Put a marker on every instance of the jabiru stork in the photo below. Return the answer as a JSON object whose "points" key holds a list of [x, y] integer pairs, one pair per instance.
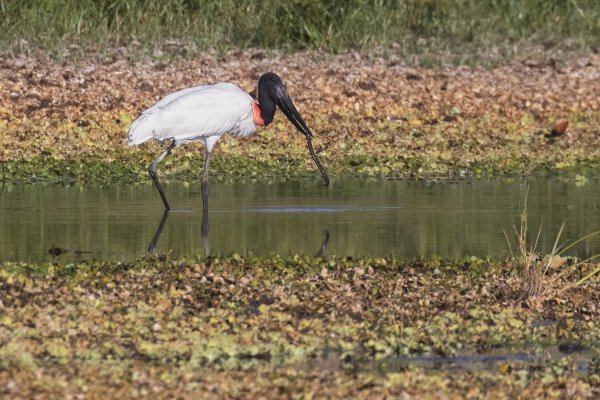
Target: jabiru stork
{"points": [[206, 113]]}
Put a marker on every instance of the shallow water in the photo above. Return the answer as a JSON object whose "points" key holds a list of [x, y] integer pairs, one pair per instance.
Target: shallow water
{"points": [[356, 218], [470, 360], [493, 360]]}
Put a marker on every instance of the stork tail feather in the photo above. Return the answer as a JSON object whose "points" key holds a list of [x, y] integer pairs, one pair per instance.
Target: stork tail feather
{"points": [[139, 132]]}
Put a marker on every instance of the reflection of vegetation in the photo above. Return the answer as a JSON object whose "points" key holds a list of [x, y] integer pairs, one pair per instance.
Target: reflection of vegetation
{"points": [[301, 24], [176, 325]]}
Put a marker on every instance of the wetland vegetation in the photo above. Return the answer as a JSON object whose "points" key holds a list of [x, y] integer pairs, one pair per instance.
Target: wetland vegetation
{"points": [[293, 327], [420, 90], [66, 122]]}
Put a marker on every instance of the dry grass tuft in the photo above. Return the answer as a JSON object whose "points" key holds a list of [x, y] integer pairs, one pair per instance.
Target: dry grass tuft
{"points": [[543, 275]]}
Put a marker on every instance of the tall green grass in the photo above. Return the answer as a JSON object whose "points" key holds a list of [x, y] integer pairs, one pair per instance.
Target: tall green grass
{"points": [[300, 24]]}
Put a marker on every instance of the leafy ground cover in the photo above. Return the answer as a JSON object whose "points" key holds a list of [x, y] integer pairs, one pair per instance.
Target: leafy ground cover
{"points": [[373, 116], [299, 327], [288, 328]]}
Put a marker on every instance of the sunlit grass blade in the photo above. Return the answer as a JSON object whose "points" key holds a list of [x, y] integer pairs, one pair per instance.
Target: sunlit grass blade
{"points": [[508, 243], [558, 235], [577, 242], [588, 276]]}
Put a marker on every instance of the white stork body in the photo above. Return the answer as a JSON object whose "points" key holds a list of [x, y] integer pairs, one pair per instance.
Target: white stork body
{"points": [[201, 113], [206, 113]]}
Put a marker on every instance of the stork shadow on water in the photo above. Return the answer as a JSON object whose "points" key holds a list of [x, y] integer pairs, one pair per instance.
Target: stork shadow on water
{"points": [[204, 228]]}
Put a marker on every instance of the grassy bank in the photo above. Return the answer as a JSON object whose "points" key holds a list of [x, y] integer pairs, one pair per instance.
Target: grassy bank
{"points": [[416, 25], [289, 327]]}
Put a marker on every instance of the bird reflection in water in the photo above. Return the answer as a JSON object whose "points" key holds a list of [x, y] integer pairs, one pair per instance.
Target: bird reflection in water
{"points": [[161, 225], [204, 234], [323, 247]]}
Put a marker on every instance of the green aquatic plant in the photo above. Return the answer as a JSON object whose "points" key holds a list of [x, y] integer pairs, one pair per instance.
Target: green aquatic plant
{"points": [[179, 325]]}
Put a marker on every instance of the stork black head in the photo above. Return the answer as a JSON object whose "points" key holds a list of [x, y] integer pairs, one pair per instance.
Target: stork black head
{"points": [[271, 93]]}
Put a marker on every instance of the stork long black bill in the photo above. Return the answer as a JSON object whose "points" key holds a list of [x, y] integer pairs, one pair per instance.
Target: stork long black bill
{"points": [[271, 92], [314, 157]]}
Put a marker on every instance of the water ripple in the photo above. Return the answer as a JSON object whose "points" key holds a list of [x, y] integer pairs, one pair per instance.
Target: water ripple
{"points": [[325, 209]]}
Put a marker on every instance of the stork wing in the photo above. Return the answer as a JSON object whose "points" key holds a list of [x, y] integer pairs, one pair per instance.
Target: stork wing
{"points": [[194, 114]]}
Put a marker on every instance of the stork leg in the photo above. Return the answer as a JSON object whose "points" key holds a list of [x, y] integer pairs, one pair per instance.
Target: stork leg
{"points": [[204, 185], [210, 143], [152, 173]]}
